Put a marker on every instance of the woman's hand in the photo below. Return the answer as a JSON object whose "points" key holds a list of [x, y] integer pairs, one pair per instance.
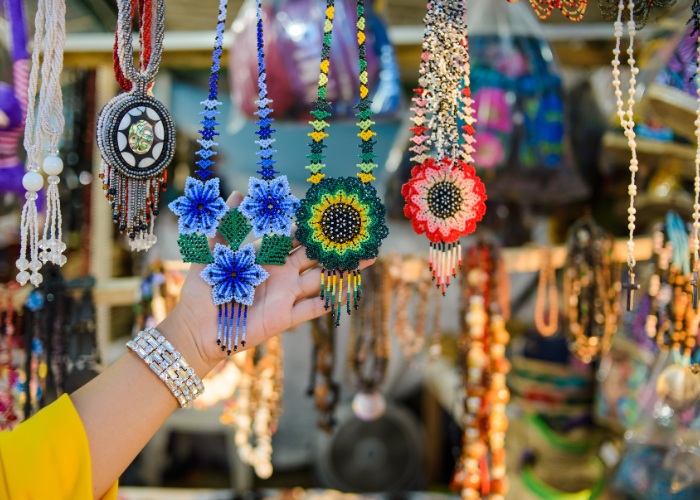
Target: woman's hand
{"points": [[289, 297]]}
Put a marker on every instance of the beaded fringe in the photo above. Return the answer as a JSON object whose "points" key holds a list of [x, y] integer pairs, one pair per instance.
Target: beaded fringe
{"points": [[226, 326], [134, 204], [332, 291], [444, 260]]}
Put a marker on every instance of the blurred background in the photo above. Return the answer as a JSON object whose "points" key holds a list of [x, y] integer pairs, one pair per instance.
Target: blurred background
{"points": [[550, 151]]}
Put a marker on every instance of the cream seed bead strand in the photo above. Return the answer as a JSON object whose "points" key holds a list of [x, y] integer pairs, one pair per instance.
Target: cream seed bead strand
{"points": [[49, 121], [627, 117], [696, 205]]}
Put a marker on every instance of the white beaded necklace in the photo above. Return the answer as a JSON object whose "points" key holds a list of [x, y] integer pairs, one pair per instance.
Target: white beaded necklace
{"points": [[696, 205], [49, 127], [628, 126]]}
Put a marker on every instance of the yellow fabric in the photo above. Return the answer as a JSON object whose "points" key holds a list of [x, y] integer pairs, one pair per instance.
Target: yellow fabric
{"points": [[48, 458]]}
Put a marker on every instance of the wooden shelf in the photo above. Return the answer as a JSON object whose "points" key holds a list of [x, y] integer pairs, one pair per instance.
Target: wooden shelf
{"points": [[123, 291]]}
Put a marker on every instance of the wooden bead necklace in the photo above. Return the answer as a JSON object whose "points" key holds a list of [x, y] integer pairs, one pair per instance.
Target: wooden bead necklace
{"points": [[483, 343], [591, 294], [369, 345], [326, 394], [672, 320], [257, 404], [547, 285]]}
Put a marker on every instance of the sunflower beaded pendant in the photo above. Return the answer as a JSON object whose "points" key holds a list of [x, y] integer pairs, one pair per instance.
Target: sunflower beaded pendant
{"points": [[444, 197], [341, 221]]}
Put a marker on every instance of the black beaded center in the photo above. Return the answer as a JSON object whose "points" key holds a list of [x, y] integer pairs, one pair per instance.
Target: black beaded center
{"points": [[341, 223], [234, 274], [200, 206], [444, 200]]}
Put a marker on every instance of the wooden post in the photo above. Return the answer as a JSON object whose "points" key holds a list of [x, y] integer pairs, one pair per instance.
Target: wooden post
{"points": [[101, 216]]}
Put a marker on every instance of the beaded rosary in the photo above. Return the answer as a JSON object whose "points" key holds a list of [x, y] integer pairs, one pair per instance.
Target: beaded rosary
{"points": [[483, 341], [234, 271], [444, 197], [135, 133], [639, 11], [341, 221], [50, 15], [628, 126], [572, 9]]}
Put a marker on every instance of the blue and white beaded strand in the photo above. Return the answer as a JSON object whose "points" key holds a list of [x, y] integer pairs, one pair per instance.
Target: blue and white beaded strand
{"points": [[269, 205], [210, 112]]}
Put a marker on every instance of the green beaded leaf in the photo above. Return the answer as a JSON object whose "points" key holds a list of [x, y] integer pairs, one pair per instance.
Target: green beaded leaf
{"points": [[234, 227], [195, 249], [274, 250]]}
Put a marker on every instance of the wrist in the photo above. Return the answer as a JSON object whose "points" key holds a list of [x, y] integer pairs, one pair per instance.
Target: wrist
{"points": [[184, 339]]}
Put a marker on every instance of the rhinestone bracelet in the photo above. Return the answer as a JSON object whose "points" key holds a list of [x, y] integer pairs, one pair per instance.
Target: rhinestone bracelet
{"points": [[169, 365]]}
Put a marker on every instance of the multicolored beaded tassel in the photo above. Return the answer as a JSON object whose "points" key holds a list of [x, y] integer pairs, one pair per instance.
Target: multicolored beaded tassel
{"points": [[341, 221], [444, 197]]}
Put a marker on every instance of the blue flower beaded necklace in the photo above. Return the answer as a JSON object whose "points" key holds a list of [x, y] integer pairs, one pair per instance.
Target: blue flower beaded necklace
{"points": [[233, 271]]}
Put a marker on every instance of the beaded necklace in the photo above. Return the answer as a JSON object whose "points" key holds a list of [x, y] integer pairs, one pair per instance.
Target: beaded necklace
{"points": [[672, 321], [257, 406], [572, 9], [627, 125], [326, 394], [369, 344], [695, 20], [547, 285], [50, 16], [482, 343], [591, 295], [8, 372], [234, 271], [639, 11], [444, 197], [341, 221], [135, 132]]}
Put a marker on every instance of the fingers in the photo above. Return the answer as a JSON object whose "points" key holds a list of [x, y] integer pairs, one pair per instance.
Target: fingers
{"points": [[300, 261], [310, 281], [308, 309]]}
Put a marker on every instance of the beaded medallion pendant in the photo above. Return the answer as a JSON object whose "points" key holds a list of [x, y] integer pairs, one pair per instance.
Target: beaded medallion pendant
{"points": [[136, 137], [341, 221], [233, 271], [572, 9], [444, 197]]}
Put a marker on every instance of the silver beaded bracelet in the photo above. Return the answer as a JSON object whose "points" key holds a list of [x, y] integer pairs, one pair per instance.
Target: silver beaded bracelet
{"points": [[169, 365]]}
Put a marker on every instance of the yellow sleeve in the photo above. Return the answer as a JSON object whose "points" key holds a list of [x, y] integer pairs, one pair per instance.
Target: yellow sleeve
{"points": [[47, 457]]}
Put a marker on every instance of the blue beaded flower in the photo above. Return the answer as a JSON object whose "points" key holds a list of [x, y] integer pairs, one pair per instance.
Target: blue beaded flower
{"points": [[269, 206], [201, 208], [234, 275]]}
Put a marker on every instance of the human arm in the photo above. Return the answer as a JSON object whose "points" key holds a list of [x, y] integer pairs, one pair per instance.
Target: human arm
{"points": [[123, 407]]}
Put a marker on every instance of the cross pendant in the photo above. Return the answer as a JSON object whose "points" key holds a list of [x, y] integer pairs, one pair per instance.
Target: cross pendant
{"points": [[695, 282], [631, 286]]}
